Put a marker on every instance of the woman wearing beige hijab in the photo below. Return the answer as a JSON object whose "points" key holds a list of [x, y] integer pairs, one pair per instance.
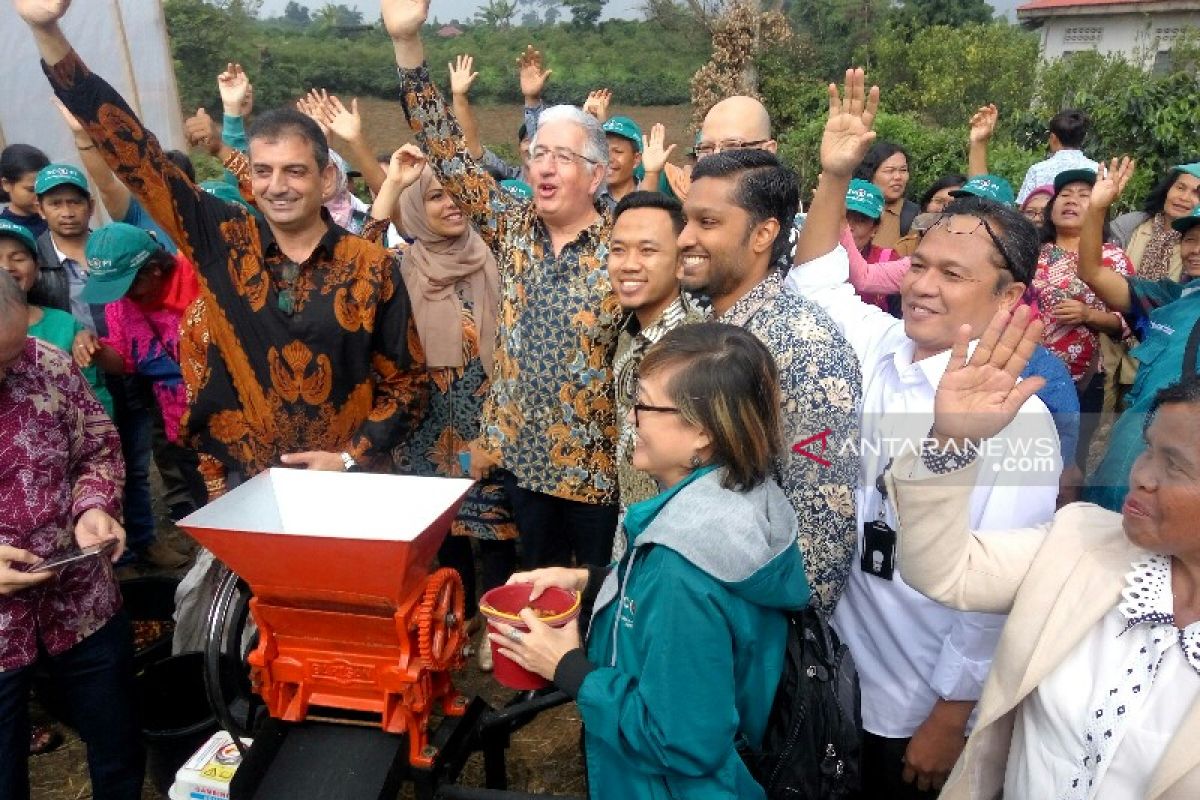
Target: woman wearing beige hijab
{"points": [[453, 285]]}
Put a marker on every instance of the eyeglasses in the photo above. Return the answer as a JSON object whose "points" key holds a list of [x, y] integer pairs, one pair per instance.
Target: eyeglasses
{"points": [[562, 156], [966, 227], [708, 148], [286, 299], [639, 408]]}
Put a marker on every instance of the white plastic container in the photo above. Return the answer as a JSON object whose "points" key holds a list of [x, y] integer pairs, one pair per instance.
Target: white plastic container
{"points": [[207, 774]]}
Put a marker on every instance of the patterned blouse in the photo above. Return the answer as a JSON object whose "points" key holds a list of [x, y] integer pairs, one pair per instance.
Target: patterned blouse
{"points": [[549, 413], [148, 343], [1056, 279], [59, 456], [282, 357], [821, 387]]}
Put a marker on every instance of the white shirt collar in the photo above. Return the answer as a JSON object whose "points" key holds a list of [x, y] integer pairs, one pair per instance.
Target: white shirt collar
{"points": [[1148, 599]]}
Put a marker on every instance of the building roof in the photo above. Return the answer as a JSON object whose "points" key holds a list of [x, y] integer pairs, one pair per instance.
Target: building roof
{"points": [[1049, 8]]}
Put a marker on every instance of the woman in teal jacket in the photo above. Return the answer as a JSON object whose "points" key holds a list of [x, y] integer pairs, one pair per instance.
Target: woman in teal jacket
{"points": [[685, 644]]}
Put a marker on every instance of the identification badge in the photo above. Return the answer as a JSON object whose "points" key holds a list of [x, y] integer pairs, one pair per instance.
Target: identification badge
{"points": [[879, 550]]}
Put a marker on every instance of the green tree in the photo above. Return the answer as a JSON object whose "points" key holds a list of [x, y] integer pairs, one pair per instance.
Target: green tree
{"points": [[497, 13], [585, 13], [296, 13], [913, 15], [836, 30], [942, 74]]}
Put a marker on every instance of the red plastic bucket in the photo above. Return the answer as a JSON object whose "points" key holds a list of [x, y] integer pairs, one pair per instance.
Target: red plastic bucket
{"points": [[502, 604]]}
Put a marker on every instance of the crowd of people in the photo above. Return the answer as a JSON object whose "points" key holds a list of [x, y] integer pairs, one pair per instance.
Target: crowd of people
{"points": [[676, 393]]}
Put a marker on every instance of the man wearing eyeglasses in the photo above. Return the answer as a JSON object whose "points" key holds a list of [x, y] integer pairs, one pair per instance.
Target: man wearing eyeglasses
{"points": [[921, 665], [549, 419], [306, 351]]}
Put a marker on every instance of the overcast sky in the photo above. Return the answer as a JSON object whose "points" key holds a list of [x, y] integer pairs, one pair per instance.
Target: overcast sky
{"points": [[446, 10]]}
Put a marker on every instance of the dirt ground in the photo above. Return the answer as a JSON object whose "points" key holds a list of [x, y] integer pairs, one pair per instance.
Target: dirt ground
{"points": [[386, 129]]}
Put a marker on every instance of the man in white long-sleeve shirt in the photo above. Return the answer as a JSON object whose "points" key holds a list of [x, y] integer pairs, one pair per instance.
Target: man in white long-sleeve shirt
{"points": [[922, 665]]}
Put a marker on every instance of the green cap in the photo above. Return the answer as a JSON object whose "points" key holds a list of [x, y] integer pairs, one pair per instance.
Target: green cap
{"points": [[52, 176], [626, 129], [20, 233], [227, 192], [114, 254], [989, 187], [866, 198], [1192, 169], [517, 188], [1185, 224], [1069, 176]]}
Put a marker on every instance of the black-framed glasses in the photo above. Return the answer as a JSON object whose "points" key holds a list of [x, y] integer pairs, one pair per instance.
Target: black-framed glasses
{"points": [[286, 296], [708, 148], [638, 408], [969, 225]]}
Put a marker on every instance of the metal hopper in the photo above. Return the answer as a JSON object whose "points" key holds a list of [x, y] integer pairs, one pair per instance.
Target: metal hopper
{"points": [[348, 614]]}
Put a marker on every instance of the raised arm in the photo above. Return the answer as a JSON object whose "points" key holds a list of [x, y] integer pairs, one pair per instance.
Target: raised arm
{"points": [[976, 399], [883, 277], [113, 194], [848, 136], [1109, 286], [237, 98], [462, 75], [654, 157], [403, 171], [187, 214], [438, 131], [597, 103], [346, 124], [983, 123]]}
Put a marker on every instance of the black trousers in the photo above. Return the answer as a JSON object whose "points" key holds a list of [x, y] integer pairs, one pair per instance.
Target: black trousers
{"points": [[556, 532], [883, 771], [95, 678]]}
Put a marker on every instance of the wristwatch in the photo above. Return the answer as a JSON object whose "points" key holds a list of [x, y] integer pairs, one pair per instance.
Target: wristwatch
{"points": [[349, 463]]}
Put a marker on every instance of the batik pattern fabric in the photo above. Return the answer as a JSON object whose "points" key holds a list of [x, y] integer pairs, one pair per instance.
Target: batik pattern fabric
{"points": [[451, 422], [320, 355], [549, 414], [59, 457], [820, 385], [1057, 279]]}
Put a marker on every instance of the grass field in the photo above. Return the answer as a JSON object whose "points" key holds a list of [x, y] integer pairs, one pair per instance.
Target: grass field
{"points": [[386, 130]]}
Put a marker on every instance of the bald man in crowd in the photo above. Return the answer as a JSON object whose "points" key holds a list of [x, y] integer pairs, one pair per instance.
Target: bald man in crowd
{"points": [[736, 123]]}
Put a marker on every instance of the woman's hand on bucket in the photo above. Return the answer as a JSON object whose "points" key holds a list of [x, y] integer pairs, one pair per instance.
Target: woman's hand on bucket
{"points": [[541, 647], [573, 580]]}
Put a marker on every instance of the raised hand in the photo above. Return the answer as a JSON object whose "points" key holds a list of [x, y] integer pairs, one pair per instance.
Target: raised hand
{"points": [[201, 132], [461, 76], [976, 399], [983, 123], [312, 105], [406, 165], [1111, 179], [533, 76], [848, 133], [654, 157], [346, 123], [247, 101], [402, 19], [41, 13], [234, 86], [597, 103]]}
